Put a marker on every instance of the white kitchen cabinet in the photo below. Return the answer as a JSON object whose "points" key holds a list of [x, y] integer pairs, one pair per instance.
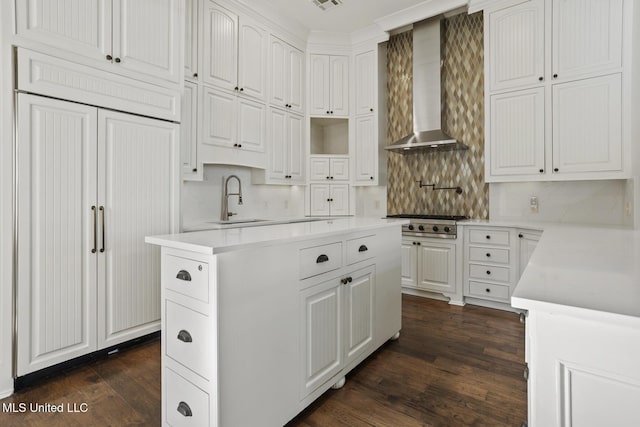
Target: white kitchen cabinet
{"points": [[138, 38], [587, 125], [285, 133], [286, 76], [517, 133], [409, 269], [234, 52], [233, 129], [527, 242], [191, 35], [366, 73], [328, 168], [329, 199], [91, 190], [366, 156], [329, 85], [338, 325], [189, 132], [516, 46]]}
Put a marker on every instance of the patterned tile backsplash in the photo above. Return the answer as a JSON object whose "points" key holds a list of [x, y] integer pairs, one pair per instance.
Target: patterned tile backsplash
{"points": [[462, 117]]}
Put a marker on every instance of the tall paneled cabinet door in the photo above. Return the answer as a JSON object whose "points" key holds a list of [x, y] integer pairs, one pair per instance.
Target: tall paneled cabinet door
{"points": [[286, 75], [136, 38], [517, 133], [189, 132], [285, 132], [515, 46], [366, 73], [191, 35], [329, 85], [366, 158], [91, 191]]}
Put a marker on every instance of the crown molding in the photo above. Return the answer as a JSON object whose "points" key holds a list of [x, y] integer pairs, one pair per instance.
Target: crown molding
{"points": [[419, 12]]}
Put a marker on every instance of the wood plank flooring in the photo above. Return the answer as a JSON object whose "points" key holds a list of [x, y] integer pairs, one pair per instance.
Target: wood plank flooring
{"points": [[452, 366]]}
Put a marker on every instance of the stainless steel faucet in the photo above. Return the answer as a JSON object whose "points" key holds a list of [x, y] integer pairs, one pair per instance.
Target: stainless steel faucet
{"points": [[225, 198]]}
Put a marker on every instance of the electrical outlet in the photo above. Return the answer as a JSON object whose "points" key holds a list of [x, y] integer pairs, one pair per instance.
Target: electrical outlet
{"points": [[628, 209], [376, 204], [286, 204], [533, 204]]}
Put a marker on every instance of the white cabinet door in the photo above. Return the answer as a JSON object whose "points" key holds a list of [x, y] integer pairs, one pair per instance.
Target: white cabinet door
{"points": [[252, 59], [517, 137], [252, 120], [220, 47], [339, 168], [145, 37], [358, 318], [437, 267], [322, 329], [516, 45], [366, 73], [57, 234], [219, 117], [278, 150], [587, 37], [278, 51], [320, 199], [366, 158], [188, 130], [587, 125], [319, 86], [409, 267], [295, 133], [138, 181], [339, 86], [82, 27], [319, 169], [191, 39], [527, 242], [339, 195], [295, 79]]}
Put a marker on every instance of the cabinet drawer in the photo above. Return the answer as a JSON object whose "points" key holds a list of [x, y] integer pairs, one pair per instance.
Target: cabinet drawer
{"points": [[320, 259], [183, 398], [189, 336], [186, 276], [489, 272], [360, 249], [489, 290], [500, 256], [491, 237]]}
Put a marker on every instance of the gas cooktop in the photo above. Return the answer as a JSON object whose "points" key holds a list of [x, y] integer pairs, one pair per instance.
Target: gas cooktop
{"points": [[421, 216]]}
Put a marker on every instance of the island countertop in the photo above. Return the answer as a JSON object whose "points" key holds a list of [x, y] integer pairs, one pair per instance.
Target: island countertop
{"points": [[586, 271], [218, 241]]}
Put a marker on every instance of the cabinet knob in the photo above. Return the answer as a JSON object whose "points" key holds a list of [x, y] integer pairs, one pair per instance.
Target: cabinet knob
{"points": [[541, 170], [418, 243], [332, 112], [520, 235], [488, 272], [241, 89], [555, 169], [184, 275], [236, 88], [541, 78], [194, 170], [109, 57], [117, 60], [184, 409], [371, 109], [488, 237], [328, 112], [370, 177], [195, 74], [488, 255], [555, 76], [184, 336], [322, 258], [488, 290]]}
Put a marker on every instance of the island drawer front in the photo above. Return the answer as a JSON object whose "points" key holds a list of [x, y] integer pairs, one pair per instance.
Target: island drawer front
{"points": [[491, 237], [489, 290], [186, 276], [360, 249], [320, 259], [183, 398], [189, 337], [500, 256], [489, 272]]}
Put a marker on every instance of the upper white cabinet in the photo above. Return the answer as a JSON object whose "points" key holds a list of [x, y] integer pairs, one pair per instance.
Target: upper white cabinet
{"points": [[328, 168], [286, 75], [139, 38], [189, 131], [329, 85], [234, 52], [366, 73], [366, 156], [191, 27], [554, 93]]}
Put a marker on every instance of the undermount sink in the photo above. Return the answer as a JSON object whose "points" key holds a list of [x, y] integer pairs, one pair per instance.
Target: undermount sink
{"points": [[236, 221]]}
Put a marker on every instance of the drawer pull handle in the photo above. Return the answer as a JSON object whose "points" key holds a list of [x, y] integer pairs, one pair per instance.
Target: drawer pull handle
{"points": [[184, 409], [184, 275], [363, 248], [488, 255], [322, 258], [184, 336]]}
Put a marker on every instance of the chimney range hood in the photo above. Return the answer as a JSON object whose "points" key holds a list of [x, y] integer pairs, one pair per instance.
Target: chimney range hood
{"points": [[427, 130]]}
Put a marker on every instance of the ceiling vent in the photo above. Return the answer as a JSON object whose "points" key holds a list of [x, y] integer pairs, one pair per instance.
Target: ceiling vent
{"points": [[327, 4]]}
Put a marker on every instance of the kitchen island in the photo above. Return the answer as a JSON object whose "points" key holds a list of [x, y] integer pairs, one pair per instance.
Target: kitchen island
{"points": [[581, 290], [258, 322]]}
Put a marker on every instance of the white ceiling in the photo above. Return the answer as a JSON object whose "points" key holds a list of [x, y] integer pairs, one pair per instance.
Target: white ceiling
{"points": [[352, 15]]}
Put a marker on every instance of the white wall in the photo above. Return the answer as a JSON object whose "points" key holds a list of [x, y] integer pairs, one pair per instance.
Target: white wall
{"points": [[6, 203], [202, 200], [371, 201], [584, 202]]}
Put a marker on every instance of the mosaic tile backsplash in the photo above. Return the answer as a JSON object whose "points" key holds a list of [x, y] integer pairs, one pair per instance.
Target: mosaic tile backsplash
{"points": [[462, 117]]}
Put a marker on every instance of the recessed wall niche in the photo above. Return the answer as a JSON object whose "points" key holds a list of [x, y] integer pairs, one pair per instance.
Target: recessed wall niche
{"points": [[329, 136]]}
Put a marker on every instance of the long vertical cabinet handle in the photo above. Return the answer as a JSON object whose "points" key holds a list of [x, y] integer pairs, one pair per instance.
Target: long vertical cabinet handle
{"points": [[95, 230], [102, 214]]}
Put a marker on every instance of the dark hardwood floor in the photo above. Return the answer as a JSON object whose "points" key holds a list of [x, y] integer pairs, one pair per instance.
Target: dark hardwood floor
{"points": [[452, 366]]}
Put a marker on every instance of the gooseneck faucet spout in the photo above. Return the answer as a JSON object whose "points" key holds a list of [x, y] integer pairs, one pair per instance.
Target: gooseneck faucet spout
{"points": [[225, 199]]}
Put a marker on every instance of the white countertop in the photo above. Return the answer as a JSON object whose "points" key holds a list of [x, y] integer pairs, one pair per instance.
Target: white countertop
{"points": [[218, 241], [244, 222], [581, 270]]}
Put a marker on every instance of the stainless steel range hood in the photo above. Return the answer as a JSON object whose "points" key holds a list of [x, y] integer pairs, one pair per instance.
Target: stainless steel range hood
{"points": [[427, 131]]}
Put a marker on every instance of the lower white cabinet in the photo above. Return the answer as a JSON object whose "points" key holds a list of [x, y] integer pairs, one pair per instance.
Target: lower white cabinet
{"points": [[337, 325], [527, 242], [366, 157], [189, 132], [329, 199], [91, 184]]}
